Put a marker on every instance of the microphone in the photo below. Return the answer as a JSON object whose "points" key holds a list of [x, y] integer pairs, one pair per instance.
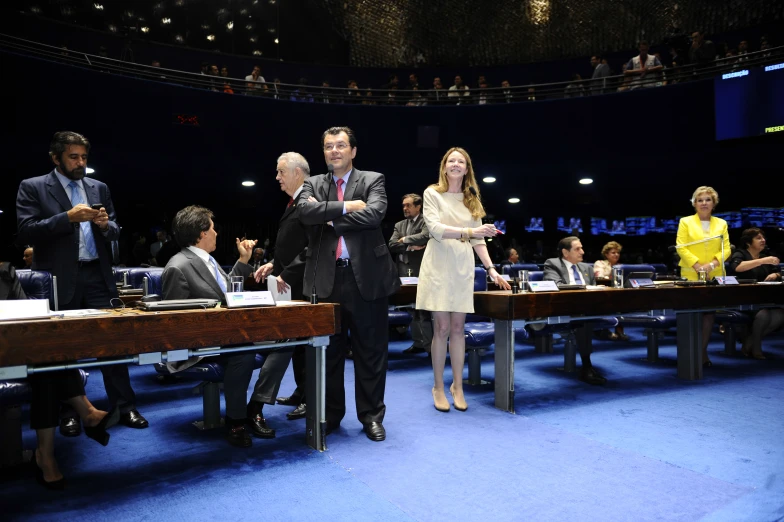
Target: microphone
{"points": [[313, 292], [705, 240]]}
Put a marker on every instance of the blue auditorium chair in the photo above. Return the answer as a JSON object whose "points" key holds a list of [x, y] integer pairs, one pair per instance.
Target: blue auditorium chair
{"points": [[39, 284], [118, 272], [511, 270], [154, 276]]}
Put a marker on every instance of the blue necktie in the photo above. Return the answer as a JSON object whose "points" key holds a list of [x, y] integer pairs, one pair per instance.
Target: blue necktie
{"points": [[577, 279], [87, 231], [218, 275]]}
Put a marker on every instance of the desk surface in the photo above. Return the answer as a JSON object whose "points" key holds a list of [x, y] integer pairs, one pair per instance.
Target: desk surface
{"points": [[130, 332]]}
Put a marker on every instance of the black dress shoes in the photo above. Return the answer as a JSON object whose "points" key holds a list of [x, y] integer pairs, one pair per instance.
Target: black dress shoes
{"points": [[414, 349], [238, 436], [298, 413], [291, 400], [70, 427], [591, 376], [258, 426], [134, 419], [375, 431]]}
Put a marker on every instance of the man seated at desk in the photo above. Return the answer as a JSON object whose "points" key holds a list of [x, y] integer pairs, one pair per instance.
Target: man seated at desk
{"points": [[194, 273], [570, 269]]}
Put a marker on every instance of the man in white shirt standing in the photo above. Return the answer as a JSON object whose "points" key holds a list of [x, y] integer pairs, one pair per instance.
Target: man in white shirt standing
{"points": [[646, 67], [255, 82]]}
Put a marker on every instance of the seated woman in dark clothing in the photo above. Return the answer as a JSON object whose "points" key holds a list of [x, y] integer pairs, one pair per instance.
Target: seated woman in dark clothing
{"points": [[747, 262], [48, 390]]}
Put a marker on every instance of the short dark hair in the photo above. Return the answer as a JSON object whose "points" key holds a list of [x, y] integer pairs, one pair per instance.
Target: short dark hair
{"points": [[643, 42], [566, 244], [748, 236], [508, 252], [416, 197], [189, 223], [61, 141], [334, 131]]}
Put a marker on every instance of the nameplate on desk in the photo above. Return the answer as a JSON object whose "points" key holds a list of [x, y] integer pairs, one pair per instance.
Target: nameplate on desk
{"points": [[409, 280], [728, 280], [641, 283], [20, 309], [240, 299], [543, 286]]}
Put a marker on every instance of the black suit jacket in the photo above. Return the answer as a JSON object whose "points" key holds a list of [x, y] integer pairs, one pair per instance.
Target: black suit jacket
{"points": [[371, 262], [290, 249], [555, 270], [41, 212], [417, 236]]}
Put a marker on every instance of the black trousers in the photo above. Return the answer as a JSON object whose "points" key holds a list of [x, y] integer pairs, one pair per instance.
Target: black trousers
{"points": [[91, 292], [48, 391], [367, 321], [298, 365], [422, 329]]}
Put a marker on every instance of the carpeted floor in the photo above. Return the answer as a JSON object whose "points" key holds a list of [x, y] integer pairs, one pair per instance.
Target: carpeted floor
{"points": [[645, 447]]}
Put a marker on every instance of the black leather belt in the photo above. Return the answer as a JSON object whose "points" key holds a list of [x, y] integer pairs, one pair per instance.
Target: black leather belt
{"points": [[88, 263], [342, 263]]}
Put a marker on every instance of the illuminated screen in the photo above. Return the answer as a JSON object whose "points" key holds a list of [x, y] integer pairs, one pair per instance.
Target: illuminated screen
{"points": [[570, 225], [733, 219], [760, 216], [748, 102], [500, 225], [535, 225], [617, 227], [598, 226]]}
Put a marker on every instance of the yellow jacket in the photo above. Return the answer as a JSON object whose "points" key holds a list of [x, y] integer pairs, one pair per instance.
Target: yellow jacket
{"points": [[689, 230]]}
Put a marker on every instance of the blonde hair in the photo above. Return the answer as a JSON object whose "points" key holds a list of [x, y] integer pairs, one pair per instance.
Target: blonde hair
{"points": [[473, 203], [705, 190], [610, 246]]}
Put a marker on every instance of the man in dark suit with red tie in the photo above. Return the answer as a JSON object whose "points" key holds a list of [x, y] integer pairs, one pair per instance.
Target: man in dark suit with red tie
{"points": [[355, 269], [288, 265], [72, 241]]}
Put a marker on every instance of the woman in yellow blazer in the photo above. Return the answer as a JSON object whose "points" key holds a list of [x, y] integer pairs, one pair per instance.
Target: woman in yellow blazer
{"points": [[705, 256]]}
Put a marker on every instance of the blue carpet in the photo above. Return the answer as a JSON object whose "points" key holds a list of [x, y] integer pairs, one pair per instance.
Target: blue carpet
{"points": [[645, 447]]}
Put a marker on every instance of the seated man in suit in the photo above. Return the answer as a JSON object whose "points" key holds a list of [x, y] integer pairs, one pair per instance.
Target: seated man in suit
{"points": [[570, 269], [194, 273], [407, 245], [511, 257]]}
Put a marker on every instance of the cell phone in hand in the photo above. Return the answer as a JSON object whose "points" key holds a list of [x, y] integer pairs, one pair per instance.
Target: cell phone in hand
{"points": [[96, 206]]}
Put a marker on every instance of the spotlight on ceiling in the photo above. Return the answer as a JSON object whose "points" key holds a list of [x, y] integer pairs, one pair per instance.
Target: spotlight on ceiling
{"points": [[488, 179], [253, 39], [145, 29], [514, 200], [586, 181], [179, 3], [211, 37], [230, 26], [112, 28], [178, 38], [277, 41], [248, 183], [256, 52], [165, 21], [89, 170], [35, 9], [205, 26], [98, 7]]}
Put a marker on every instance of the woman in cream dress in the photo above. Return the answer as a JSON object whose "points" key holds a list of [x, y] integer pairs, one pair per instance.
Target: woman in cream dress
{"points": [[453, 215]]}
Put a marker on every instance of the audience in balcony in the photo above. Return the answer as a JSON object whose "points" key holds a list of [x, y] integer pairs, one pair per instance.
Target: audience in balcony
{"points": [[600, 71], [438, 93], [645, 68], [301, 93], [459, 92], [484, 97], [531, 94], [224, 72], [702, 51], [255, 82], [416, 98], [413, 81], [575, 89]]}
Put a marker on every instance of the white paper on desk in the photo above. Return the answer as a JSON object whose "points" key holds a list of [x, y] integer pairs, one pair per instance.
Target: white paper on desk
{"points": [[87, 312], [272, 286], [595, 287]]}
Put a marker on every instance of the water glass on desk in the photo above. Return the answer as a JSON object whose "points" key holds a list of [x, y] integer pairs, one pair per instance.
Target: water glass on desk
{"points": [[237, 284], [617, 277], [523, 280], [702, 275]]}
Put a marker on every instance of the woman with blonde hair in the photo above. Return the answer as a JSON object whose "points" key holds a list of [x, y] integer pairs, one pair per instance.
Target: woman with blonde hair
{"points": [[706, 254], [453, 213], [602, 269]]}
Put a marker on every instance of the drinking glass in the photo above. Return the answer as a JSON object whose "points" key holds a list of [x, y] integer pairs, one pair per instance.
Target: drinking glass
{"points": [[523, 276], [237, 284], [617, 277], [702, 275]]}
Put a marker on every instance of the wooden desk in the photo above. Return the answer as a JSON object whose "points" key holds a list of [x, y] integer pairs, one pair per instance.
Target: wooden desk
{"points": [[689, 304], [132, 336]]}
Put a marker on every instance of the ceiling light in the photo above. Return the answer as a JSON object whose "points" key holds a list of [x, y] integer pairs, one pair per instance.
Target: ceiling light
{"points": [[145, 29], [277, 41], [586, 181], [243, 12], [256, 52], [179, 3], [178, 38], [211, 37], [205, 26], [35, 9], [98, 7], [514, 200], [248, 183], [112, 28], [89, 170], [166, 21], [249, 27], [252, 39], [230, 26], [488, 179]]}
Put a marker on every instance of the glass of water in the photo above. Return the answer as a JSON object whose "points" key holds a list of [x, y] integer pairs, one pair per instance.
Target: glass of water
{"points": [[617, 277], [523, 277], [237, 284], [702, 275]]}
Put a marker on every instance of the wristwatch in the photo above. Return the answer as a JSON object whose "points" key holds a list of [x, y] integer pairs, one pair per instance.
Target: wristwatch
{"points": [[487, 268]]}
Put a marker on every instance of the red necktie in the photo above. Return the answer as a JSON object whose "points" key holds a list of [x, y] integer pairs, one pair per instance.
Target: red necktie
{"points": [[339, 249], [291, 202]]}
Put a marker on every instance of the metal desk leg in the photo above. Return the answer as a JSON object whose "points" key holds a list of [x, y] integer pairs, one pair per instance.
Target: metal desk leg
{"points": [[689, 337], [315, 371], [504, 365]]}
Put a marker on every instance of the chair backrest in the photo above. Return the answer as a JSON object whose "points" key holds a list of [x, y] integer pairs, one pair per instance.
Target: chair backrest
{"points": [[627, 269], [513, 269], [39, 284], [480, 279], [118, 272], [154, 278], [660, 268], [537, 275]]}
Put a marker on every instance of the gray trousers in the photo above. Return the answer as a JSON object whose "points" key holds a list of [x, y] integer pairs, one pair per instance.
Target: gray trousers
{"points": [[270, 376]]}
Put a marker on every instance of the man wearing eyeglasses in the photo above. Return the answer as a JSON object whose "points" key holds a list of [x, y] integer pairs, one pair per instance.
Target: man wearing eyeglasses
{"points": [[354, 270]]}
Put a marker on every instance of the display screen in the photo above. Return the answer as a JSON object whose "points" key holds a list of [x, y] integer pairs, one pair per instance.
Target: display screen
{"points": [[760, 217], [733, 219], [536, 224], [749, 102], [500, 226], [570, 225]]}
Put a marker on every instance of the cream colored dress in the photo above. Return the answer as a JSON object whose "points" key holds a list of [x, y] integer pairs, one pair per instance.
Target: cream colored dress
{"points": [[446, 278]]}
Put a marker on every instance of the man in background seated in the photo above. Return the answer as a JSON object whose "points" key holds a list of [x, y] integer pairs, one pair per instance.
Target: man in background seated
{"points": [[510, 257], [194, 274], [407, 245], [28, 256], [570, 269], [161, 239]]}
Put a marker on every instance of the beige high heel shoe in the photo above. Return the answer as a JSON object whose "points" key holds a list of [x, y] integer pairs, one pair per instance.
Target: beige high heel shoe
{"points": [[439, 400], [460, 405]]}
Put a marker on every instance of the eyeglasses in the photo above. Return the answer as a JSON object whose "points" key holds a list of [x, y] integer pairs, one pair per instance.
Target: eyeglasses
{"points": [[339, 146]]}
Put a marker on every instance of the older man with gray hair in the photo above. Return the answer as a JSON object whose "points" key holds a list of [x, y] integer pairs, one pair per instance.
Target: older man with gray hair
{"points": [[288, 265]]}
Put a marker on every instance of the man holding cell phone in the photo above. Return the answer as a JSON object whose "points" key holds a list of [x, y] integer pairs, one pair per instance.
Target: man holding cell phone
{"points": [[70, 221]]}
